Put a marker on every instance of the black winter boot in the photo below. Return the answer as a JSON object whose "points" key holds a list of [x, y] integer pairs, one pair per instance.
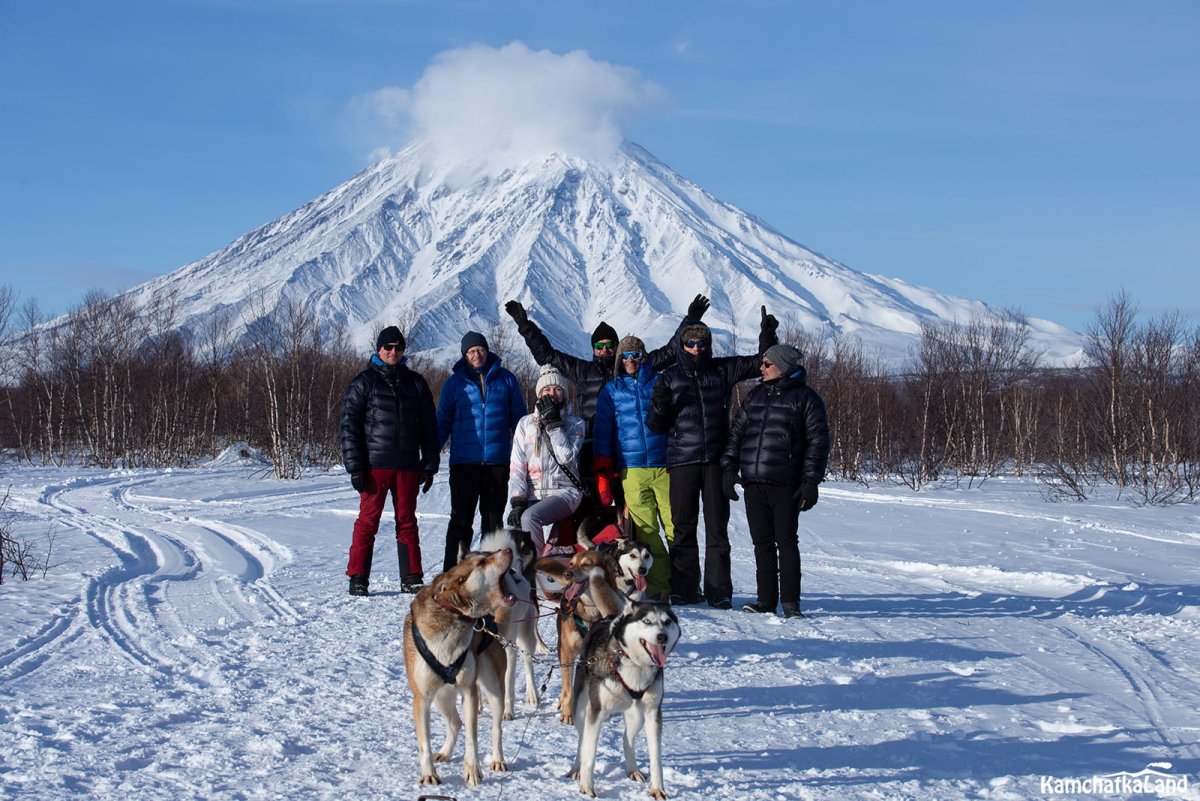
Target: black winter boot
{"points": [[358, 585], [411, 583], [758, 608]]}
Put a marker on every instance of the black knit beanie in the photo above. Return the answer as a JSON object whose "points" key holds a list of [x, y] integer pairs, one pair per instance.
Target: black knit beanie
{"points": [[389, 334], [471, 339], [605, 331]]}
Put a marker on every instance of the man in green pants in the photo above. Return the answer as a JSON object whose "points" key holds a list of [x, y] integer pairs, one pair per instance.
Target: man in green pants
{"points": [[625, 449]]}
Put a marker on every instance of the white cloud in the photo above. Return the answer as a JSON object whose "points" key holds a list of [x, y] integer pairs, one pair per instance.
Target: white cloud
{"points": [[378, 121], [493, 108]]}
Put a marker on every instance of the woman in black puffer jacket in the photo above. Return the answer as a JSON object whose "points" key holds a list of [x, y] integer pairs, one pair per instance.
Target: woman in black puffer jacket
{"points": [[780, 445]]}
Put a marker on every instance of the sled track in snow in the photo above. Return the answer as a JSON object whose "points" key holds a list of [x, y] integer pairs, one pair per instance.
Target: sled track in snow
{"points": [[117, 604], [910, 501], [258, 553], [124, 605], [33, 651]]}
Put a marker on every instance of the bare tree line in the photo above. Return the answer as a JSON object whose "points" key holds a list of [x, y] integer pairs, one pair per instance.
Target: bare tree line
{"points": [[121, 386]]}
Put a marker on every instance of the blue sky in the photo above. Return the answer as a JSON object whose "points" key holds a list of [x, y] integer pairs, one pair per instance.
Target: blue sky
{"points": [[1035, 155]]}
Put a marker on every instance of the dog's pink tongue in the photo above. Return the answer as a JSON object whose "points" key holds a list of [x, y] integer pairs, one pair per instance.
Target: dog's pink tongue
{"points": [[658, 654], [639, 581]]}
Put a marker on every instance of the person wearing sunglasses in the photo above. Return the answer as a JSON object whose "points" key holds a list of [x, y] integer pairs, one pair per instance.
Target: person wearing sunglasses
{"points": [[478, 411], [779, 446], [630, 461], [589, 375], [389, 446], [690, 403]]}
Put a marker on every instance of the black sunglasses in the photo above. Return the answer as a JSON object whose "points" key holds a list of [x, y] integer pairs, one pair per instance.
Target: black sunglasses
{"points": [[695, 343], [391, 346]]}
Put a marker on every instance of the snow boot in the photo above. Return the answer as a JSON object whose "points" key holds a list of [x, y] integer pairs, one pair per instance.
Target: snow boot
{"points": [[410, 582], [760, 608], [358, 585], [792, 610]]}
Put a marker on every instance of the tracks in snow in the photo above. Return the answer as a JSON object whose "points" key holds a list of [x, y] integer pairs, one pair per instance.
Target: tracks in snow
{"points": [[178, 580]]}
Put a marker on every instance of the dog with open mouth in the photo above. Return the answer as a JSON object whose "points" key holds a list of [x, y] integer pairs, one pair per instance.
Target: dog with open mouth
{"points": [[589, 593], [621, 670], [632, 556], [517, 624], [448, 652]]}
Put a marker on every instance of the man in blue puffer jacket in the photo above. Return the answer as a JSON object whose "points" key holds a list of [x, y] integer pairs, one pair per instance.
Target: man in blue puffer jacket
{"points": [[625, 449], [478, 412]]}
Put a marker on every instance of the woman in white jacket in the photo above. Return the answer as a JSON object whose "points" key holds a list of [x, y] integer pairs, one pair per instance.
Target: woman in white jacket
{"points": [[543, 478]]}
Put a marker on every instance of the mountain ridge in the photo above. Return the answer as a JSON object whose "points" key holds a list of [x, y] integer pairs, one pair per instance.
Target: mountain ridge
{"points": [[441, 248]]}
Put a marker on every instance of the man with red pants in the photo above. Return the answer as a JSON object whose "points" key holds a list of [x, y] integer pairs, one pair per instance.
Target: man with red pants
{"points": [[389, 444]]}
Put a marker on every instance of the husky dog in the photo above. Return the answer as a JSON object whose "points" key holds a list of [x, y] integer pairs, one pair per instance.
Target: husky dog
{"points": [[618, 538], [517, 625], [590, 593], [634, 561], [621, 670], [445, 654]]}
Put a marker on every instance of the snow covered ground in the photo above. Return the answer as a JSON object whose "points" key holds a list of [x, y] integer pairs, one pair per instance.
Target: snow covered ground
{"points": [[197, 641]]}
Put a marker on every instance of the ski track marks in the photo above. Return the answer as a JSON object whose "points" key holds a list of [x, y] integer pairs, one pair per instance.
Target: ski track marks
{"points": [[177, 579]]}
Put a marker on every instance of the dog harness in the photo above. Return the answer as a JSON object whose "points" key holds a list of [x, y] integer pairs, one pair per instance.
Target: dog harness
{"points": [[634, 694], [567, 605], [449, 673]]}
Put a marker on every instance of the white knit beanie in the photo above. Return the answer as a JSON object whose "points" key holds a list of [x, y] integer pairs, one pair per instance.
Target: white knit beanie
{"points": [[549, 377]]}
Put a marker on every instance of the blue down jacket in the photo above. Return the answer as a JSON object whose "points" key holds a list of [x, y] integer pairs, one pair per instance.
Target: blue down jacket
{"points": [[619, 431], [479, 417]]}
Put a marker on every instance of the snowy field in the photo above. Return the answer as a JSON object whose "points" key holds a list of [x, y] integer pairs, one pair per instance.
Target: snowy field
{"points": [[197, 642]]}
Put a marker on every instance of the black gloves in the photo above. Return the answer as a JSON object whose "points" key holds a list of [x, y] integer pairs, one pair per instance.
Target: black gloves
{"points": [[426, 481], [660, 399], [360, 480], [729, 481], [769, 325], [519, 505], [659, 418], [806, 493], [549, 413], [697, 308], [517, 312]]}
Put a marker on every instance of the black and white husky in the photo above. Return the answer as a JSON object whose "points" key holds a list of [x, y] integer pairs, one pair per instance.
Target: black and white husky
{"points": [[517, 625], [633, 557], [634, 560], [621, 670]]}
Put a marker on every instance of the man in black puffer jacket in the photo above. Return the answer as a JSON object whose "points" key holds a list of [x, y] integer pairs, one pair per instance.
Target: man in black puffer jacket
{"points": [[780, 444], [590, 375], [691, 401], [389, 444]]}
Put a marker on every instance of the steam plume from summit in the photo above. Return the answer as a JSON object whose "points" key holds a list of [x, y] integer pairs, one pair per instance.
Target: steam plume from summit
{"points": [[491, 108]]}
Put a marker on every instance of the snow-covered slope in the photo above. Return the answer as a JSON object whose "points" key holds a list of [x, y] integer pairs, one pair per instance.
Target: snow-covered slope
{"points": [[440, 250], [196, 641]]}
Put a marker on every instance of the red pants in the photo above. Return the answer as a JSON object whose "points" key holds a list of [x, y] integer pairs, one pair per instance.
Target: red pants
{"points": [[402, 484]]}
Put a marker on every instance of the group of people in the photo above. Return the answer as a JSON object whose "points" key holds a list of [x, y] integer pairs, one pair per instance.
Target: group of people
{"points": [[649, 431]]}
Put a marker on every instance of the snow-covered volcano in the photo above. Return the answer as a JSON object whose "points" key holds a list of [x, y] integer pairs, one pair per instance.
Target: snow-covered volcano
{"points": [[630, 242]]}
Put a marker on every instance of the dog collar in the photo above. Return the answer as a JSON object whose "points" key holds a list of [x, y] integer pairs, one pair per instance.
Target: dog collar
{"points": [[451, 607]]}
